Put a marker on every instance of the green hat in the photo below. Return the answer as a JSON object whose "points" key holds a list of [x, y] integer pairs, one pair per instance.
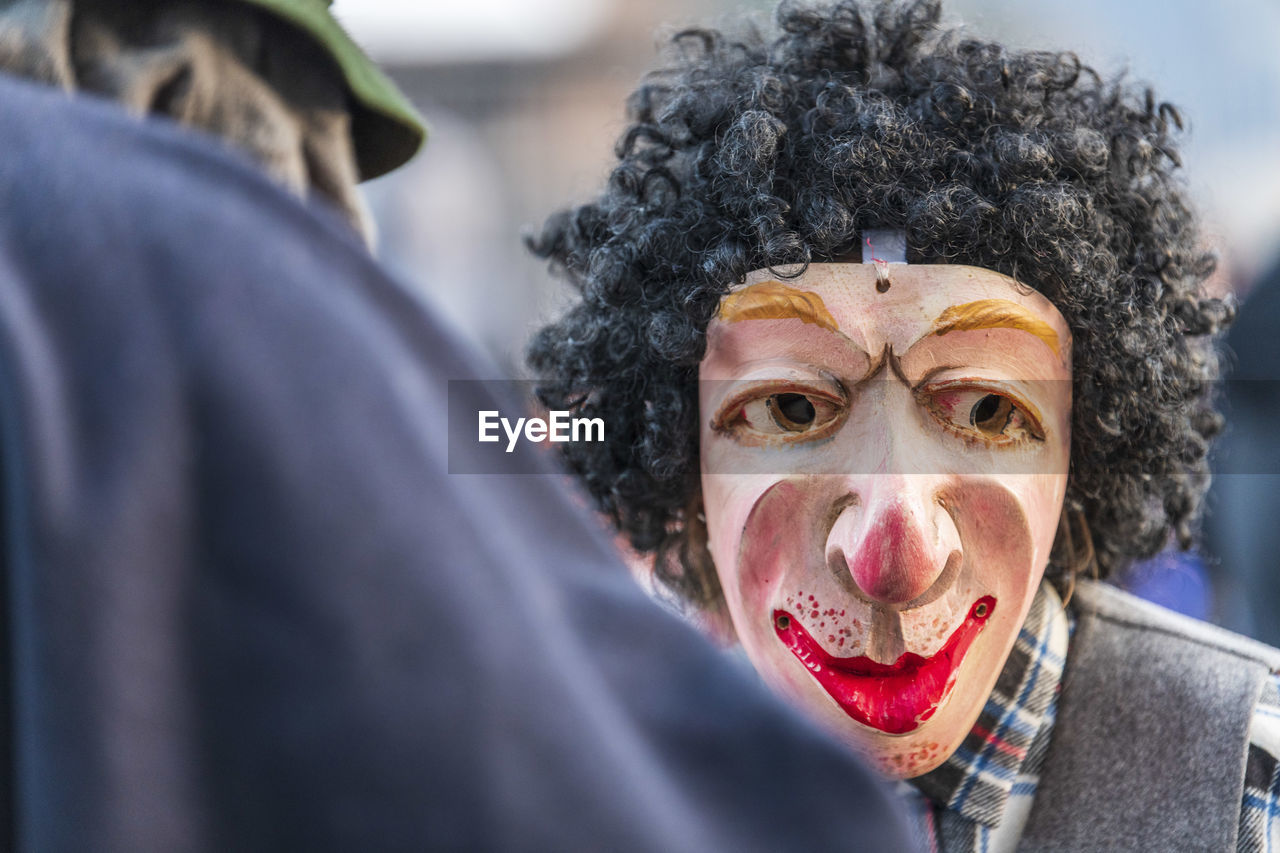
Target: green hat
{"points": [[385, 127]]}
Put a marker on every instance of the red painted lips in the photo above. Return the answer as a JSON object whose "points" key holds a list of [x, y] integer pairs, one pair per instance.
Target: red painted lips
{"points": [[894, 698]]}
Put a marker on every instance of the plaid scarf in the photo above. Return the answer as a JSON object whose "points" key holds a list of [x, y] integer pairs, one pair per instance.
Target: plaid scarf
{"points": [[980, 798]]}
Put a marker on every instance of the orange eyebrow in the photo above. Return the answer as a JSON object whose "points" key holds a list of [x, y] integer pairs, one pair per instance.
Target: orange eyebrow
{"points": [[773, 300], [995, 314]]}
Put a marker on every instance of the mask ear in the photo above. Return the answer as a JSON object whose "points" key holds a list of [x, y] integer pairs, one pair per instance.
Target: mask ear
{"points": [[1072, 554], [688, 570]]}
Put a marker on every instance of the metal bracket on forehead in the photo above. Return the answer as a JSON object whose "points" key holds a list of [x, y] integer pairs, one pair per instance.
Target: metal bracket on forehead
{"points": [[881, 246]]}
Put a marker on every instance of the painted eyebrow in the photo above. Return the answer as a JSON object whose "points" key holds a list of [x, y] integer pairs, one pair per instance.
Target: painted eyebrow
{"points": [[773, 300], [995, 314]]}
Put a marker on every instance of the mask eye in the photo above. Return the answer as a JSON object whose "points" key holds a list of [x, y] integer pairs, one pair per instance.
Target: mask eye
{"points": [[792, 412], [994, 416], [781, 416]]}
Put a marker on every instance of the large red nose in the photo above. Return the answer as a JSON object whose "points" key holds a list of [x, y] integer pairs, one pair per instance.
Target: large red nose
{"points": [[895, 542]]}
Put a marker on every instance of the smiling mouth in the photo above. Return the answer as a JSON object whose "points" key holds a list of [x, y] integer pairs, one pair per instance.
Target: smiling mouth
{"points": [[894, 698]]}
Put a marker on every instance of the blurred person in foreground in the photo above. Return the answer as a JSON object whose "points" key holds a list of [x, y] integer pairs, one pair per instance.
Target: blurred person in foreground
{"points": [[278, 80], [899, 338], [246, 606]]}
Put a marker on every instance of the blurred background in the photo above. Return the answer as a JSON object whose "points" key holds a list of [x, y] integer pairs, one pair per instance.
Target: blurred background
{"points": [[525, 100]]}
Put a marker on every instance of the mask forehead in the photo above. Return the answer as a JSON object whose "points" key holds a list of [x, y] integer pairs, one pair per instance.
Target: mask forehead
{"points": [[921, 300]]}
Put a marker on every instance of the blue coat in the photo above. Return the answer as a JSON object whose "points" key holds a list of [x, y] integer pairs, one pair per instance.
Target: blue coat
{"points": [[247, 606]]}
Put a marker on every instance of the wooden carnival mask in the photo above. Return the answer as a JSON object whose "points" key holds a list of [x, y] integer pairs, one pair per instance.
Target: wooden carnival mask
{"points": [[884, 453]]}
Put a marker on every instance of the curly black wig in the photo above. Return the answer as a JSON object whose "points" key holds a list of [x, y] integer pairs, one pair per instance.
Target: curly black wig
{"points": [[753, 153]]}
